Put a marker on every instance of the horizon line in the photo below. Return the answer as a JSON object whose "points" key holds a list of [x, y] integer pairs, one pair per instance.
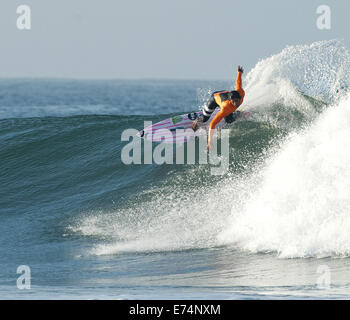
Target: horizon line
{"points": [[108, 78]]}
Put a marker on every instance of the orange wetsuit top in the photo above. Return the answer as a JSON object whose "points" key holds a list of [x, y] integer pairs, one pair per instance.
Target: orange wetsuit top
{"points": [[226, 106]]}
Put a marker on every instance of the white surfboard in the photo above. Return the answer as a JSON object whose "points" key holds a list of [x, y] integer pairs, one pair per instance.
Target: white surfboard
{"points": [[178, 129]]}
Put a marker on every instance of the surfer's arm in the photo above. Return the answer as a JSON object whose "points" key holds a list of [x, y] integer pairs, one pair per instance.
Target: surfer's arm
{"points": [[239, 78], [219, 116], [211, 133], [239, 83]]}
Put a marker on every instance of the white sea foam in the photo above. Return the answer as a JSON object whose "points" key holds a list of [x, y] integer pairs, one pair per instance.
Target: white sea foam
{"points": [[300, 206]]}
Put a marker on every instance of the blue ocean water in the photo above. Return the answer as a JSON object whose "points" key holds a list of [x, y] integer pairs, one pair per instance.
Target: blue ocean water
{"points": [[91, 227]]}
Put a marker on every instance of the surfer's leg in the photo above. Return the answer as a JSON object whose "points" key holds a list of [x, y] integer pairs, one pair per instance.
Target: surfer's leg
{"points": [[208, 109], [232, 116]]}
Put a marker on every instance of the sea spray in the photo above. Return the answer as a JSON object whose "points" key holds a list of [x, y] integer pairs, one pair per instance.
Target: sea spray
{"points": [[301, 207]]}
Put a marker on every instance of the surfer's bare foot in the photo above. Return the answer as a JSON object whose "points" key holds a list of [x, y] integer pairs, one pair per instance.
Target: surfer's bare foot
{"points": [[195, 125]]}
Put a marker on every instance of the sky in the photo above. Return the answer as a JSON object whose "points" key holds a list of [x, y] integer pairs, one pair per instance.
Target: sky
{"points": [[182, 39]]}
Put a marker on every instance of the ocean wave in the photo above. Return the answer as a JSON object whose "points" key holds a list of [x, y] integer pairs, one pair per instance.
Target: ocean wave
{"points": [[291, 199], [286, 190], [300, 203]]}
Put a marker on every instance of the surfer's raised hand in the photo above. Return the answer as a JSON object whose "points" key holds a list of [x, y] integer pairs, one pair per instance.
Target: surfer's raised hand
{"points": [[240, 69]]}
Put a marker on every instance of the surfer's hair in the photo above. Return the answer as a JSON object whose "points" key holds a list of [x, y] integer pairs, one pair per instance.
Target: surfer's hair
{"points": [[234, 95]]}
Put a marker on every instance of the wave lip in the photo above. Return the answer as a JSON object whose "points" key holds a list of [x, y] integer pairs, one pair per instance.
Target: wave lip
{"points": [[319, 70]]}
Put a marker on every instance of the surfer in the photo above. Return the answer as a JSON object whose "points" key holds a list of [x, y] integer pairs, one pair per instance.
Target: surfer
{"points": [[227, 101]]}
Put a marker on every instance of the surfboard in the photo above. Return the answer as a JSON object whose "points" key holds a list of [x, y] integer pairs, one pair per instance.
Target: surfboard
{"points": [[178, 129]]}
